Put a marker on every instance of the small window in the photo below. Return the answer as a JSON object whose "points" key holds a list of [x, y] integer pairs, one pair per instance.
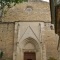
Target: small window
{"points": [[28, 9]]}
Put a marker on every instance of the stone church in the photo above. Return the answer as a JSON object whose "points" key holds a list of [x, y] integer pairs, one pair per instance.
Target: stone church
{"points": [[26, 32]]}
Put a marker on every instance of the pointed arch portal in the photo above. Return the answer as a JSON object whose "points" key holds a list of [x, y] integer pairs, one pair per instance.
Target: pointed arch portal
{"points": [[27, 41], [29, 44]]}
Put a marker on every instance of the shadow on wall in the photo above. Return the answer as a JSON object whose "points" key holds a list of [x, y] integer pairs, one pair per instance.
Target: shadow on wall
{"points": [[1, 54]]}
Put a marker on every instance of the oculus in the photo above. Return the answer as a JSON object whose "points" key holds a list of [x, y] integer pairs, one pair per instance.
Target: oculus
{"points": [[29, 9]]}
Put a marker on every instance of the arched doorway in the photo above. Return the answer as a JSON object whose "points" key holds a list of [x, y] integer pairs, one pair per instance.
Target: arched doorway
{"points": [[28, 40], [30, 48]]}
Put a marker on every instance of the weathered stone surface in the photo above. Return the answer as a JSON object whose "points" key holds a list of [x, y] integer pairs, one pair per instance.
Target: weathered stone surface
{"points": [[34, 21], [6, 39], [22, 12]]}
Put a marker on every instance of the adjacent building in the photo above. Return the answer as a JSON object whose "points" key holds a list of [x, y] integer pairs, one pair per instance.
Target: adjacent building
{"points": [[55, 19]]}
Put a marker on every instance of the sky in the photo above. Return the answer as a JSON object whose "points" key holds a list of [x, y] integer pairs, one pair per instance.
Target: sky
{"points": [[46, 0]]}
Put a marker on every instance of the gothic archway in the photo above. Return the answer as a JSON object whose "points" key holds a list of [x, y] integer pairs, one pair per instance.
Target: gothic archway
{"points": [[29, 44]]}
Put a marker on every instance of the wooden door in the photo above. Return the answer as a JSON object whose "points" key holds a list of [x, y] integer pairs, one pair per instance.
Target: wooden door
{"points": [[29, 56]]}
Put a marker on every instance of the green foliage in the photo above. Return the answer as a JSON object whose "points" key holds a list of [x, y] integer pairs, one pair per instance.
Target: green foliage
{"points": [[1, 54], [16, 1], [8, 3], [51, 58]]}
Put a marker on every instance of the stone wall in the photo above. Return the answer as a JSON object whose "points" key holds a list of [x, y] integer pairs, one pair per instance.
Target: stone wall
{"points": [[51, 41], [31, 11], [6, 40], [27, 12]]}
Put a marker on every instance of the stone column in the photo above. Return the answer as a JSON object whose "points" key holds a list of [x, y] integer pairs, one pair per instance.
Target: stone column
{"points": [[15, 41], [43, 48], [44, 52]]}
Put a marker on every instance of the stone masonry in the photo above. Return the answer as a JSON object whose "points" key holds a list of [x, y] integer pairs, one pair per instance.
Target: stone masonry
{"points": [[21, 28]]}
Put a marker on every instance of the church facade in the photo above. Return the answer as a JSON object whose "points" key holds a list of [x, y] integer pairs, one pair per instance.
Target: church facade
{"points": [[26, 33]]}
